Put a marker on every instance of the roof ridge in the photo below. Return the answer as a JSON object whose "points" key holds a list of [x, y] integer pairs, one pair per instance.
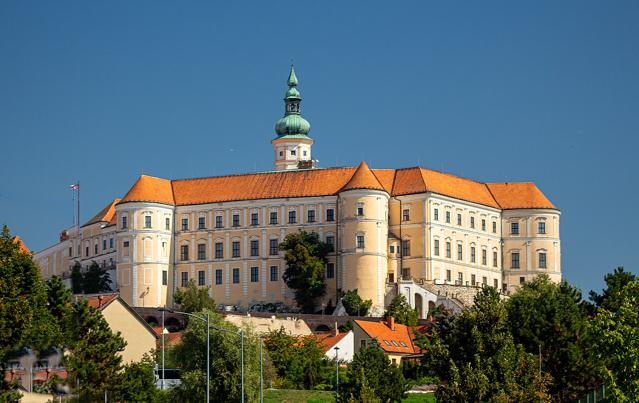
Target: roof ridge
{"points": [[258, 173], [493, 196], [452, 175], [361, 175]]}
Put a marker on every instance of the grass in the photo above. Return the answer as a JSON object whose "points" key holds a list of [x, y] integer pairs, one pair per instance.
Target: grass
{"points": [[315, 396]]}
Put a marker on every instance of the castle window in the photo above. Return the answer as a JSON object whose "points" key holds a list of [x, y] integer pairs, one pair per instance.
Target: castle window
{"points": [[472, 255], [360, 241], [274, 274], [436, 247], [522, 280], [542, 260], [185, 224], [201, 222], [281, 153], [95, 249], [484, 280], [219, 250], [236, 220], [392, 249], [201, 251], [460, 252], [219, 223], [125, 244], [184, 252], [330, 241], [293, 152], [255, 274], [292, 217], [406, 215], [201, 280], [360, 209], [391, 277], [255, 248], [483, 224], [330, 214], [459, 219], [110, 245], [273, 218], [185, 279], [541, 227], [460, 278], [236, 276], [448, 250], [472, 222], [167, 223], [304, 153], [494, 227], [254, 219], [514, 260], [448, 217], [124, 222], [514, 228], [483, 257], [104, 244], [147, 221], [165, 277], [496, 284], [218, 276], [273, 247], [330, 270], [236, 248], [494, 258], [406, 247], [448, 275], [472, 279], [436, 214], [406, 273], [310, 216]]}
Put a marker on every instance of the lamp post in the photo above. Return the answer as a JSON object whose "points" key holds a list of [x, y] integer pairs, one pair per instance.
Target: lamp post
{"points": [[204, 319], [336, 374]]}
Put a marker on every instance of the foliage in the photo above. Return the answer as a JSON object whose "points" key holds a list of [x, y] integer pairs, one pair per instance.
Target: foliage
{"points": [[616, 339], [60, 303], [384, 378], [401, 310], [190, 356], [138, 382], [193, 298], [305, 260], [95, 280], [480, 361], [77, 278], [366, 393], [553, 317], [611, 297], [299, 361], [354, 304], [295, 396], [94, 360], [25, 320]]}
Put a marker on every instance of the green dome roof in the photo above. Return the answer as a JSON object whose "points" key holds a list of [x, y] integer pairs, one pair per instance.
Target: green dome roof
{"points": [[292, 124]]}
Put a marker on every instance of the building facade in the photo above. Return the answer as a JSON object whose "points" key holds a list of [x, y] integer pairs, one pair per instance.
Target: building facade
{"points": [[387, 226]]}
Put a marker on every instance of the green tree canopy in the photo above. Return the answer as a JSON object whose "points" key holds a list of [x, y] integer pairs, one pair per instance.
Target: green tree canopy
{"points": [[194, 298], [401, 310], [551, 317], [379, 374], [305, 260], [137, 382], [95, 280], [60, 302], [354, 304], [611, 298]]}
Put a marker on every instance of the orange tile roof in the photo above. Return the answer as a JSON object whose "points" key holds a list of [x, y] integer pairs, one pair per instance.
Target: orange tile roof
{"points": [[515, 195], [329, 340], [330, 181], [150, 189], [100, 301], [363, 178], [107, 214], [385, 336], [21, 245]]}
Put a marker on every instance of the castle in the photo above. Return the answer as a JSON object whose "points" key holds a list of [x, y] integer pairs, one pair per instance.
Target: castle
{"points": [[404, 230]]}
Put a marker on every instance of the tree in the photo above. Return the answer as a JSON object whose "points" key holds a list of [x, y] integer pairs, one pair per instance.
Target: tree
{"points": [[401, 310], [190, 356], [24, 318], [366, 393], [479, 360], [299, 361], [94, 361], [95, 280], [305, 260], [379, 374], [138, 382], [552, 318], [77, 278], [355, 305], [194, 298], [616, 341], [611, 297], [60, 302]]}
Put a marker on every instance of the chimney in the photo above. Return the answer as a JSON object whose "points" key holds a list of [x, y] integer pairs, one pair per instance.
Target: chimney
{"points": [[99, 301], [391, 323], [336, 329]]}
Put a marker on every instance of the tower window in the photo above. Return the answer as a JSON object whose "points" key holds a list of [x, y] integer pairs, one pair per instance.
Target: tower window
{"points": [[147, 221], [124, 222], [542, 260], [360, 209], [360, 241], [281, 153], [541, 227], [293, 152], [304, 153]]}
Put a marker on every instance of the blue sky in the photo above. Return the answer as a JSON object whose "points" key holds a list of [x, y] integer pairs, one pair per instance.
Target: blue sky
{"points": [[494, 91]]}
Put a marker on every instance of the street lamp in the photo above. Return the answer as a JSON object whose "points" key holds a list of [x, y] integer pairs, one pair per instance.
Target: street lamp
{"points": [[204, 319], [336, 374]]}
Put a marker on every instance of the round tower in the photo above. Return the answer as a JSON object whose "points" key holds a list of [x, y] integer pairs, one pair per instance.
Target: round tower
{"points": [[363, 212], [292, 144]]}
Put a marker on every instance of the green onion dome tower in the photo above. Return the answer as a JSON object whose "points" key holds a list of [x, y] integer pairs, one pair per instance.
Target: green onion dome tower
{"points": [[292, 144]]}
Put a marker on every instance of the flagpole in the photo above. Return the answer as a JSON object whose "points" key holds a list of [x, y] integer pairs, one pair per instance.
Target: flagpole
{"points": [[78, 224]]}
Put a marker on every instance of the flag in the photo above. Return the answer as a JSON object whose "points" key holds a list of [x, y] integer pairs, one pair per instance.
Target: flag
{"points": [[75, 186]]}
